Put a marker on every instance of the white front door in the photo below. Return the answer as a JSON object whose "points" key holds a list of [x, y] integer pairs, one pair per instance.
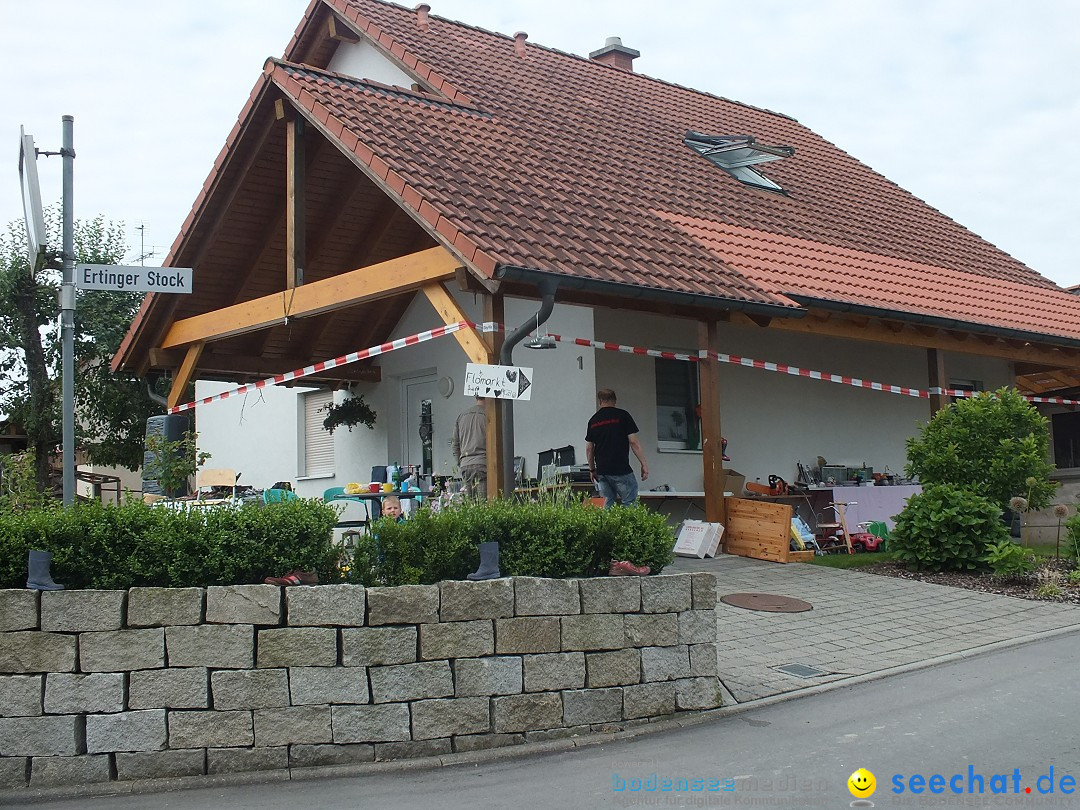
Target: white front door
{"points": [[417, 396]]}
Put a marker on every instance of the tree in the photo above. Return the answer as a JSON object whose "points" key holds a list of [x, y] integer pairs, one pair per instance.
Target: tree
{"points": [[994, 444], [111, 410]]}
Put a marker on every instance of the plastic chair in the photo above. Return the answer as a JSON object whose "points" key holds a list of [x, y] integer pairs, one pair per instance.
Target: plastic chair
{"points": [[278, 495], [218, 477], [350, 526]]}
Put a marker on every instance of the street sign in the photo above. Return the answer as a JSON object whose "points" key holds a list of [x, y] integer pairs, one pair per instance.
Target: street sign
{"points": [[31, 195], [499, 382], [133, 279]]}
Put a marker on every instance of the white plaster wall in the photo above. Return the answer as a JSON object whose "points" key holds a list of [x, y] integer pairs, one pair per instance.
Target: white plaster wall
{"points": [[362, 61], [773, 420], [258, 433]]}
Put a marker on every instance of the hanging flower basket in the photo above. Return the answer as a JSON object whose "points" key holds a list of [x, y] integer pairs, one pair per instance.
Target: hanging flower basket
{"points": [[350, 412]]}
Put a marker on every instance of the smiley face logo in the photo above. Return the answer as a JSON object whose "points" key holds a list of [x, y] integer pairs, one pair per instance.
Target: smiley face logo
{"points": [[862, 784]]}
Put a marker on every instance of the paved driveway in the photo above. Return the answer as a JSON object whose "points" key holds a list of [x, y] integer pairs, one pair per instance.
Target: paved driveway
{"points": [[861, 623]]}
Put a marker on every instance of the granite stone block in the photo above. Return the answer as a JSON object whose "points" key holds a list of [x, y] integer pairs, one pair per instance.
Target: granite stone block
{"points": [[30, 651], [73, 770], [18, 610], [443, 718], [652, 629], [378, 723], [667, 593], [528, 635], [697, 694], [516, 713], [610, 595], [665, 663], [62, 735], [126, 731], [593, 631], [535, 596], [457, 639], [312, 756], [703, 591], [160, 764], [648, 700], [294, 724], [496, 675], [403, 604], [550, 672], [249, 688], [297, 647], [210, 729], [21, 695], [223, 646], [14, 772], [243, 604], [412, 749], [378, 646], [337, 605], [430, 679], [582, 706], [82, 611], [617, 668], [239, 760], [312, 686], [697, 627], [484, 742], [73, 693], [122, 650], [172, 688], [463, 601], [162, 607], [703, 660]]}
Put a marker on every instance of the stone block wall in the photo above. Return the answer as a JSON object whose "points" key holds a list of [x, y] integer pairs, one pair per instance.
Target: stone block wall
{"points": [[158, 682]]}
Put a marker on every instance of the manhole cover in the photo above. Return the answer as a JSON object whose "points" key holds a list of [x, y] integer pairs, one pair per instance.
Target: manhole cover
{"points": [[766, 601], [801, 670]]}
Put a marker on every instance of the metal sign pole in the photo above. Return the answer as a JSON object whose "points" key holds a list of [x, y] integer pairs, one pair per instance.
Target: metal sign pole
{"points": [[67, 313]]}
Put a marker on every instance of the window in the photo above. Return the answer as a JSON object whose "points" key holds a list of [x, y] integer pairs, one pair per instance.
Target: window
{"points": [[965, 385], [735, 154], [678, 425], [318, 451]]}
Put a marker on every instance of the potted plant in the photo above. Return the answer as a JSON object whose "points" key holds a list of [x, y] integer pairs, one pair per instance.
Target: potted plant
{"points": [[349, 412]]}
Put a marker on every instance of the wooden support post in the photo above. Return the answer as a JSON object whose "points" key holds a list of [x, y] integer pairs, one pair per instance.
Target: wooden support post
{"points": [[935, 361], [494, 311], [185, 373], [712, 455], [294, 217]]}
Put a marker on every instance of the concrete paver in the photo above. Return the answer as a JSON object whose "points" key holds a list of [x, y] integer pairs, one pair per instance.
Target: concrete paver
{"points": [[861, 623]]}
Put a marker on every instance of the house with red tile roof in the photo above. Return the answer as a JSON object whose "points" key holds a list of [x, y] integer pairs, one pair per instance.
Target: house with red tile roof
{"points": [[719, 265]]}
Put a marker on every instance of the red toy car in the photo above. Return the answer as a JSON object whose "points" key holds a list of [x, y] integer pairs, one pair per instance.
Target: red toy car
{"points": [[864, 541]]}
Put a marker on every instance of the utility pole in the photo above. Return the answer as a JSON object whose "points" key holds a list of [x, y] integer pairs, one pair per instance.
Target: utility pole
{"points": [[67, 312]]}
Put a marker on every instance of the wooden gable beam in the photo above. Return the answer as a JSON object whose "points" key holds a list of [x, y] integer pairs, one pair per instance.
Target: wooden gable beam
{"points": [[382, 280], [185, 373], [474, 345], [884, 333]]}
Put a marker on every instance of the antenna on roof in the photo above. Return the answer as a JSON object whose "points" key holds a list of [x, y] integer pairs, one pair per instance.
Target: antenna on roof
{"points": [[143, 255]]}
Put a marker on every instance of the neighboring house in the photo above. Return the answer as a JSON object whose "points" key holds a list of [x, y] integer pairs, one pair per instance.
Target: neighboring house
{"points": [[395, 171]]}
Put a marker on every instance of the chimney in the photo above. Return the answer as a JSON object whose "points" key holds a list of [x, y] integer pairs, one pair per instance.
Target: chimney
{"points": [[519, 43], [421, 16], [616, 54]]}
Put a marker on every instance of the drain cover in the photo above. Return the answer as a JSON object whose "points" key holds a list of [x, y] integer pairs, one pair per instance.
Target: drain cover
{"points": [[766, 601], [801, 670]]}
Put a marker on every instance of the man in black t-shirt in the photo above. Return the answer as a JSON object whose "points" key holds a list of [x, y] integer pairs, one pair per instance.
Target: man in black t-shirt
{"points": [[611, 436]]}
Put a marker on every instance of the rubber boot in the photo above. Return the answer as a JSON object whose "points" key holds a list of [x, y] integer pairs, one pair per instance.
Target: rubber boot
{"points": [[40, 577], [489, 563]]}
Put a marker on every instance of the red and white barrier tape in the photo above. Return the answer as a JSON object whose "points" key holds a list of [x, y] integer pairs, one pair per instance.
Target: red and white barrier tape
{"points": [[733, 359], [345, 359]]}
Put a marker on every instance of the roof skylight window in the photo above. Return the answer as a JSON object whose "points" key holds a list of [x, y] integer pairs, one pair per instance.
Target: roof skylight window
{"points": [[735, 154]]}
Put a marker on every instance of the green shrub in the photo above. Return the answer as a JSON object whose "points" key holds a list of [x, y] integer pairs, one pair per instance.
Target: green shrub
{"points": [[992, 444], [1008, 559], [1072, 534], [1049, 591], [549, 539], [946, 528], [116, 547], [1073, 577]]}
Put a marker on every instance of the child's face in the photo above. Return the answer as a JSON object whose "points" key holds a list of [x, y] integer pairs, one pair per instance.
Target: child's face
{"points": [[392, 509]]}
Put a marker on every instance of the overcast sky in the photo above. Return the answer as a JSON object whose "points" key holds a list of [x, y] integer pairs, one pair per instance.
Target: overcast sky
{"points": [[972, 105]]}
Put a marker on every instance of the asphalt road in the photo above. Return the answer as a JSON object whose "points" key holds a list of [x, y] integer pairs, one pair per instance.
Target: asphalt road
{"points": [[988, 716]]}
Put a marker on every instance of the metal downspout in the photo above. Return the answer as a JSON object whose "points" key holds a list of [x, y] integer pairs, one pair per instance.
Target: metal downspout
{"points": [[547, 289]]}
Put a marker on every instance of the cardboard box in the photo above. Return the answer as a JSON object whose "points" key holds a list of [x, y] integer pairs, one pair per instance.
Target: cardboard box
{"points": [[734, 482]]}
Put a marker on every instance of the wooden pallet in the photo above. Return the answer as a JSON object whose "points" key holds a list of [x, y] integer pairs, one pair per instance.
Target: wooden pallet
{"points": [[760, 529]]}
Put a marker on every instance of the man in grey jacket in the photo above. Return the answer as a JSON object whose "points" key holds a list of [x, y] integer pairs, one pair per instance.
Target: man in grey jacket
{"points": [[470, 448]]}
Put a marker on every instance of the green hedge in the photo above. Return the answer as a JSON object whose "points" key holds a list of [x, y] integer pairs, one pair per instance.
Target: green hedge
{"points": [[97, 546], [946, 528], [550, 539]]}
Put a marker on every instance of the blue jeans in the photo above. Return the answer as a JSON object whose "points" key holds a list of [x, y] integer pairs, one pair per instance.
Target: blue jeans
{"points": [[617, 488]]}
